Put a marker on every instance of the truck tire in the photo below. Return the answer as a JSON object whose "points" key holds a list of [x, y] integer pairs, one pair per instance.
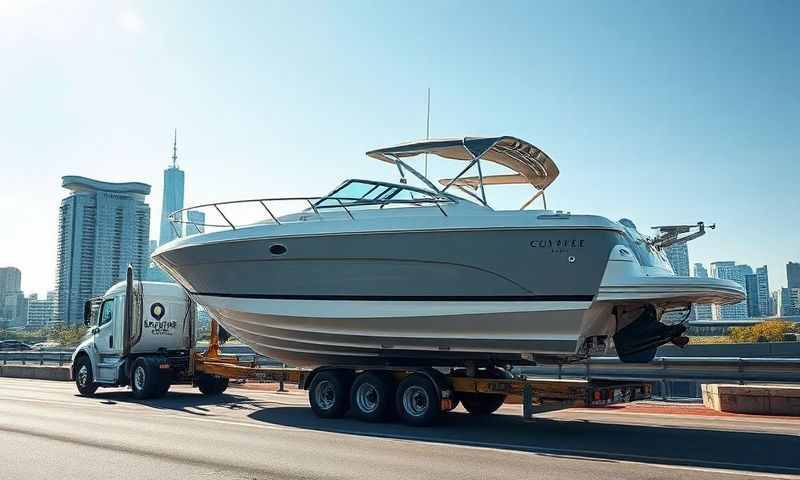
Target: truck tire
{"points": [[212, 384], [145, 378], [372, 396], [329, 394], [84, 379], [417, 401]]}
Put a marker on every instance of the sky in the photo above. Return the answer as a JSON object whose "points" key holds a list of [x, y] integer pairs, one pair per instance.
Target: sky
{"points": [[661, 112]]}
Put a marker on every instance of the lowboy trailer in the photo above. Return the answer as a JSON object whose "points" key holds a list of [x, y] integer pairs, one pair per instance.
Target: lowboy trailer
{"points": [[156, 325]]}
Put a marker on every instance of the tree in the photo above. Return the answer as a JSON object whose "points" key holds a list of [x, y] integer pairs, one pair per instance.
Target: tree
{"points": [[768, 331]]}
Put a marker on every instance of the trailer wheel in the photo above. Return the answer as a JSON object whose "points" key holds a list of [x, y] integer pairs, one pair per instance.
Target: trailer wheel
{"points": [[145, 378], [417, 400], [329, 395], [212, 384], [84, 379], [372, 396], [482, 403]]}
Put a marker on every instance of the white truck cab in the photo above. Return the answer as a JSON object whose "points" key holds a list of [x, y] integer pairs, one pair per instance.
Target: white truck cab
{"points": [[140, 334]]}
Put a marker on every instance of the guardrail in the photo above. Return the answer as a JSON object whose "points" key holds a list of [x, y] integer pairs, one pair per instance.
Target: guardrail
{"points": [[36, 357]]}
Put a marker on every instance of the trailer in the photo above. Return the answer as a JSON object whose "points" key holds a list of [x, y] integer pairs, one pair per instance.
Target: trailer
{"points": [[156, 322]]}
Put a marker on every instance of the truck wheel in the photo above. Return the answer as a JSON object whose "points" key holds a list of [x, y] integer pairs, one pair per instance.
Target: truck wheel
{"points": [[145, 378], [84, 379], [481, 403], [212, 384], [417, 401], [328, 394], [372, 396]]}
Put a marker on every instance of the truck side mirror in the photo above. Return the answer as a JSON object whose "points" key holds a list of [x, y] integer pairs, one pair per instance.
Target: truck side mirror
{"points": [[87, 312]]}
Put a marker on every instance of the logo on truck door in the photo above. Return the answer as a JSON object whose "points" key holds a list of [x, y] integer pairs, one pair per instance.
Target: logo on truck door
{"points": [[157, 311], [158, 326]]}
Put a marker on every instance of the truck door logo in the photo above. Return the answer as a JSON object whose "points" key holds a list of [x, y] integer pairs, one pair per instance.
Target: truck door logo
{"points": [[157, 311], [158, 326]]}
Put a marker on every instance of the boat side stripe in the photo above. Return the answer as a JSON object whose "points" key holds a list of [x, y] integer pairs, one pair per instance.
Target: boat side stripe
{"points": [[409, 298]]}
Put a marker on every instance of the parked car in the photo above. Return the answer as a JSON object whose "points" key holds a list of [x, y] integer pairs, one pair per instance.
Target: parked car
{"points": [[13, 345], [46, 345]]}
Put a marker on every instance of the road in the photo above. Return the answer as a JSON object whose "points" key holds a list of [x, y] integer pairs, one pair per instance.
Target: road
{"points": [[49, 432]]}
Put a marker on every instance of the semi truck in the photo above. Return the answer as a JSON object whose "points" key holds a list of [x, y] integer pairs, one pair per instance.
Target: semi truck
{"points": [[142, 335]]}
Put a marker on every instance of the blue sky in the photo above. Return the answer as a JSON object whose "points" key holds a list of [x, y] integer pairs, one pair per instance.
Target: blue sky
{"points": [[663, 112]]}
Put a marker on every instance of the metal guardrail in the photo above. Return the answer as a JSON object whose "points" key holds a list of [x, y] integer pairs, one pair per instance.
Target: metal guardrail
{"points": [[36, 357], [699, 369]]}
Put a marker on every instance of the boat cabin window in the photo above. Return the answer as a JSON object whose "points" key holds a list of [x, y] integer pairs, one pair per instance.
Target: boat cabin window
{"points": [[362, 192]]}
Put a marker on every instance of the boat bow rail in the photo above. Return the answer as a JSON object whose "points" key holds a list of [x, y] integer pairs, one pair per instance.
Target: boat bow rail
{"points": [[184, 223]]}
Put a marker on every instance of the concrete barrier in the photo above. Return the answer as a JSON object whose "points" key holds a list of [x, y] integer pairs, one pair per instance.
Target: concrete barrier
{"points": [[753, 399], [40, 372]]}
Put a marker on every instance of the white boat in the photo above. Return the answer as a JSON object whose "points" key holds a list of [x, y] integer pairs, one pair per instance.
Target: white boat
{"points": [[379, 273]]}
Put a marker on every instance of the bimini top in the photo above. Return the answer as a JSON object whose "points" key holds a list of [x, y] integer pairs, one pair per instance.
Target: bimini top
{"points": [[531, 165]]}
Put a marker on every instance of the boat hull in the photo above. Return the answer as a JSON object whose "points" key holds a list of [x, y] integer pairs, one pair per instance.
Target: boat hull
{"points": [[310, 333]]}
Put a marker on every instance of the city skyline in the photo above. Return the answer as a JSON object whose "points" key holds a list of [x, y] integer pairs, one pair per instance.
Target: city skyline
{"points": [[605, 99]]}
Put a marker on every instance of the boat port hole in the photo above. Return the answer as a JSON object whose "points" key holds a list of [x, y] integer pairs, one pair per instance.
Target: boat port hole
{"points": [[277, 249]]}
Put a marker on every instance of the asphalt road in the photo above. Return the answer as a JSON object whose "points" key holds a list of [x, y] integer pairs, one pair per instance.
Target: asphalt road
{"points": [[49, 432]]}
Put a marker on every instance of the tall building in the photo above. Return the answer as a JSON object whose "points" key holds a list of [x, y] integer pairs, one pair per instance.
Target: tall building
{"points": [[173, 196], [10, 280], [102, 227], [12, 301], [701, 312], [41, 312], [751, 289], [764, 304], [786, 302], [195, 222], [730, 271], [678, 256], [793, 275]]}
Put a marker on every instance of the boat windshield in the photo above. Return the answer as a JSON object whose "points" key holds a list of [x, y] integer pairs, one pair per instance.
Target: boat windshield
{"points": [[366, 192]]}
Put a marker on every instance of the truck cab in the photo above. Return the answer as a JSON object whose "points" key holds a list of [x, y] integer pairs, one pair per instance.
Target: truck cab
{"points": [[140, 334]]}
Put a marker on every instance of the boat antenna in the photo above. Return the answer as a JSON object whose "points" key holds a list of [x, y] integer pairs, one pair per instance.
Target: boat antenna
{"points": [[428, 129], [175, 149]]}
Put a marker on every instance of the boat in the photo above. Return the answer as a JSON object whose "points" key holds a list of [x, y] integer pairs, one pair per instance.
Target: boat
{"points": [[382, 273]]}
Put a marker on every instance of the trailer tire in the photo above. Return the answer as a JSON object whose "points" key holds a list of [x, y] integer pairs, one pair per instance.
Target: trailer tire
{"points": [[84, 379], [482, 403], [417, 401], [329, 394], [372, 396], [212, 384], [145, 378]]}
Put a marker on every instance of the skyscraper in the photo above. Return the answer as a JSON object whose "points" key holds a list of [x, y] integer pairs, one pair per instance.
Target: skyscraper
{"points": [[751, 288], [793, 275], [12, 300], [763, 291], [173, 195], [786, 305], [102, 227], [701, 312], [730, 271], [10, 280], [678, 256]]}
